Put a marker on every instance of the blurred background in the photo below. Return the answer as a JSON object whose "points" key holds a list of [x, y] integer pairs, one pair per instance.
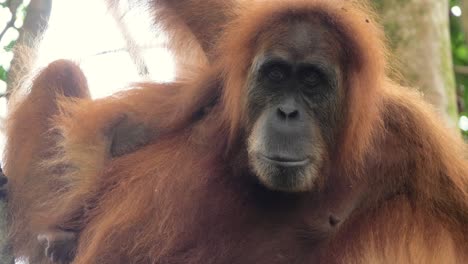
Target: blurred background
{"points": [[116, 46]]}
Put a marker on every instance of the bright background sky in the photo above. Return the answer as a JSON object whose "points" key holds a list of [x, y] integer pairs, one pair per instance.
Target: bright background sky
{"points": [[79, 32], [82, 31]]}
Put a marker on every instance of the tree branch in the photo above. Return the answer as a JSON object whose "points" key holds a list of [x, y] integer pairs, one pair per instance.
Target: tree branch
{"points": [[133, 49], [13, 7], [461, 69]]}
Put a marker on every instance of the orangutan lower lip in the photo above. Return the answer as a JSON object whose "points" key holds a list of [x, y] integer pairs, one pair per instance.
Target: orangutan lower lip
{"points": [[285, 162]]}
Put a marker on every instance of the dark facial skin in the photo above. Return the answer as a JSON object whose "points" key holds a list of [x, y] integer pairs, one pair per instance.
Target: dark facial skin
{"points": [[294, 99]]}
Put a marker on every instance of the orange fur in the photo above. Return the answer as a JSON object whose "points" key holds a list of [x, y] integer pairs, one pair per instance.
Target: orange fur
{"points": [[186, 197], [30, 140]]}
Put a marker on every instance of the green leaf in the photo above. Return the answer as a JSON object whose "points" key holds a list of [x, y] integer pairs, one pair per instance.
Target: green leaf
{"points": [[10, 46], [461, 53], [3, 74]]}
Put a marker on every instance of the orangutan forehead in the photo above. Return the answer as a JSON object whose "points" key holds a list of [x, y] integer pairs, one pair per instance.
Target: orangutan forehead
{"points": [[301, 40]]}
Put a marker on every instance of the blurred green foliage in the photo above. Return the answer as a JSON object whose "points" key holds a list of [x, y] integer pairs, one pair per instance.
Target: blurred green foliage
{"points": [[3, 73], [460, 57]]}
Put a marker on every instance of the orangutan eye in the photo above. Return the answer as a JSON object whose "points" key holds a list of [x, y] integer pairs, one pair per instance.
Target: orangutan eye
{"points": [[311, 78], [276, 74], [276, 71]]}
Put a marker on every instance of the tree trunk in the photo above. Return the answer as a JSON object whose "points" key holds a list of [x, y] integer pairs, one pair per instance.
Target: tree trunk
{"points": [[464, 17], [5, 253], [418, 31], [35, 23]]}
